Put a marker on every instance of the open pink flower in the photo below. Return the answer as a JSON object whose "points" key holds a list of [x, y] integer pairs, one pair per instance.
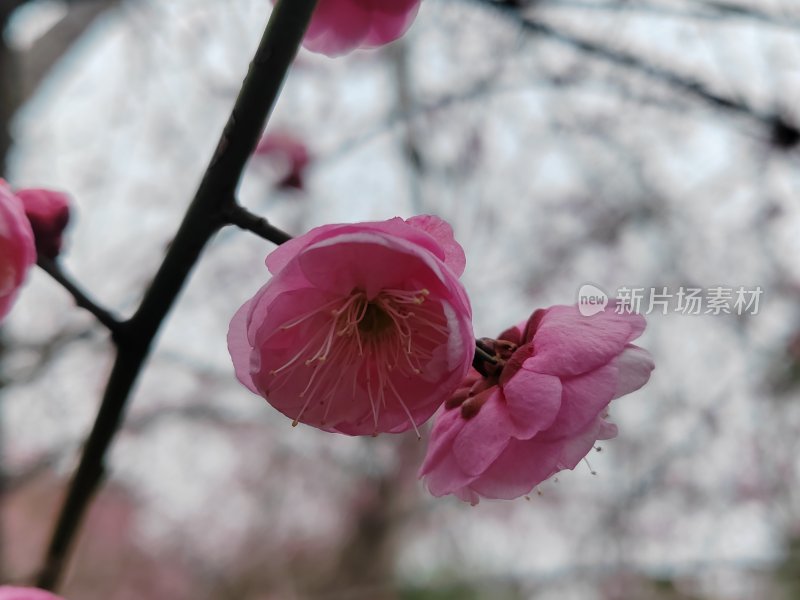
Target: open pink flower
{"points": [[340, 26], [19, 593], [542, 406], [364, 328], [48, 213], [17, 249]]}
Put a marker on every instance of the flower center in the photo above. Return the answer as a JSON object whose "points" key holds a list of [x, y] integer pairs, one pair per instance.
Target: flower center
{"points": [[490, 359], [491, 356], [356, 344], [375, 320]]}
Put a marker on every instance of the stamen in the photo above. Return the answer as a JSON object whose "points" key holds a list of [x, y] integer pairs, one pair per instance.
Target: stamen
{"points": [[294, 358], [310, 314], [363, 344], [405, 408]]}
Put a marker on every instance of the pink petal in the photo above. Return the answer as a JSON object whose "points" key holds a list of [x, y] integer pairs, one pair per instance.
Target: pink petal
{"points": [[340, 26], [390, 20], [239, 347], [447, 425], [17, 247], [441, 231], [483, 437], [447, 478], [607, 430], [523, 465], [533, 401], [337, 27], [467, 495], [575, 448], [440, 470], [583, 399], [396, 228], [282, 255], [634, 366], [19, 593], [568, 344], [48, 213], [359, 261]]}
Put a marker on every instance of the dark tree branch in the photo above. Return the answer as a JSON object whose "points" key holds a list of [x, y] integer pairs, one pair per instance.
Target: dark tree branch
{"points": [[747, 12], [236, 214], [205, 216], [81, 298], [684, 83], [718, 12]]}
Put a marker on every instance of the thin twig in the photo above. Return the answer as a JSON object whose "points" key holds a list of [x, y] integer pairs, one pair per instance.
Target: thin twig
{"points": [[52, 268], [204, 217], [716, 12], [238, 215], [693, 87]]}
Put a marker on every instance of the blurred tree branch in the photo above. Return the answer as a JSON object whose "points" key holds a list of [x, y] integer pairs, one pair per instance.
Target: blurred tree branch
{"points": [[699, 10], [22, 72], [236, 214], [686, 84], [55, 271], [36, 62]]}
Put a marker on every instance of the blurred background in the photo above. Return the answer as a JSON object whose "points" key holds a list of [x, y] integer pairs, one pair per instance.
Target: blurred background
{"points": [[639, 144]]}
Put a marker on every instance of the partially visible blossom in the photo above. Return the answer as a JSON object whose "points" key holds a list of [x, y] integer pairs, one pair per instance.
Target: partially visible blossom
{"points": [[340, 26], [48, 213], [19, 593], [364, 328], [17, 249], [291, 155], [541, 407]]}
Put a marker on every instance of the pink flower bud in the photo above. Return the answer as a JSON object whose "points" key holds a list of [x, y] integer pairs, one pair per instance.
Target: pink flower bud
{"points": [[364, 328], [18, 593], [340, 26], [540, 409], [48, 212], [17, 249], [291, 156]]}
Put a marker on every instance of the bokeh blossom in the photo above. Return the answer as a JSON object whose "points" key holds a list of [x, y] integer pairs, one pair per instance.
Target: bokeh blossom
{"points": [[364, 328], [19, 593], [290, 155], [48, 213], [541, 406], [17, 249], [340, 26]]}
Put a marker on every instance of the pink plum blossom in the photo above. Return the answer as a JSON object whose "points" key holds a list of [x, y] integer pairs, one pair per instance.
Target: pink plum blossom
{"points": [[17, 249], [340, 26], [541, 406], [19, 593], [48, 213], [364, 328]]}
